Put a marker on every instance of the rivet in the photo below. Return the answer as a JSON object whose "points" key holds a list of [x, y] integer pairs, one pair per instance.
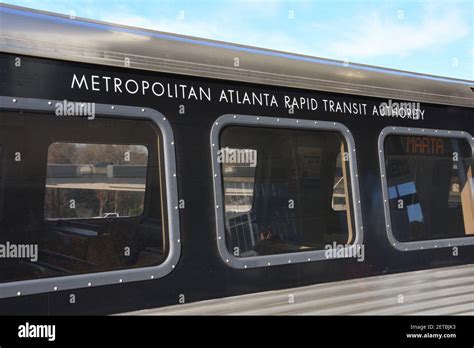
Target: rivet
{"points": [[269, 264], [235, 116], [227, 260], [55, 288], [112, 107], [245, 266], [258, 118], [219, 237], [14, 100], [179, 240], [164, 118], [172, 143], [120, 280], [50, 103], [217, 123], [151, 277], [89, 284], [18, 293], [278, 120], [217, 206], [289, 261], [297, 121]]}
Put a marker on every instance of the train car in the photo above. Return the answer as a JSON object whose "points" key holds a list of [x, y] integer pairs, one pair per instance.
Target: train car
{"points": [[141, 169]]}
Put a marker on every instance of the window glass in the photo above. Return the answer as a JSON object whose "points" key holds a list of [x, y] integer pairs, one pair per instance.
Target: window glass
{"points": [[79, 196], [339, 188], [429, 183], [239, 179], [95, 180], [284, 201]]}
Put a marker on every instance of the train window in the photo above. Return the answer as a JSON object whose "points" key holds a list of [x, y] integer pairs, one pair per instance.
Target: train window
{"points": [[285, 191], [429, 188], [86, 200], [95, 180]]}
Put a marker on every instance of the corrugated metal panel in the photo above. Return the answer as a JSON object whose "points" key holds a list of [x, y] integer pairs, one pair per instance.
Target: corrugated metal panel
{"points": [[443, 291], [44, 34]]}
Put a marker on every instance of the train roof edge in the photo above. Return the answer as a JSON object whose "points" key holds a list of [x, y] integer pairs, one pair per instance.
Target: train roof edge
{"points": [[49, 35]]}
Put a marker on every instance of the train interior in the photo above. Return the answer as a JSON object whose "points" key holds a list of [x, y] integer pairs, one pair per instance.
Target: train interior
{"points": [[293, 197], [430, 187]]}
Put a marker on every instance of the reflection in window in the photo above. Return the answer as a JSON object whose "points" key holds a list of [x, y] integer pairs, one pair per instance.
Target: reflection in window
{"points": [[239, 179], [95, 180], [430, 187], [339, 188], [285, 202]]}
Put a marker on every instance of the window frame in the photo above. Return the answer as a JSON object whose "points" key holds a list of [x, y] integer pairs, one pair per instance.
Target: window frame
{"points": [[219, 208], [427, 244], [170, 201]]}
